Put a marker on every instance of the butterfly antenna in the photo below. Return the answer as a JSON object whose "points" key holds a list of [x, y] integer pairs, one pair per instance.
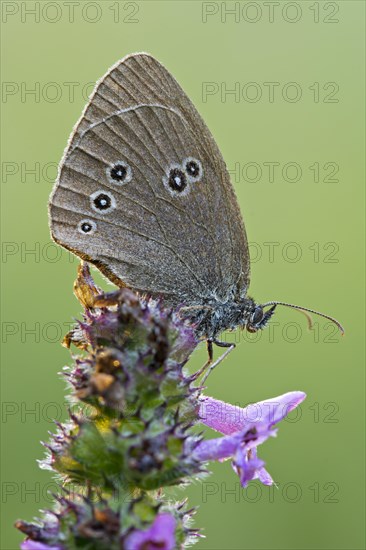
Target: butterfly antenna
{"points": [[306, 311], [308, 318]]}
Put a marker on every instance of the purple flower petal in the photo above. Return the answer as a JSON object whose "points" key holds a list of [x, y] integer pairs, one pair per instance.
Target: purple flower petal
{"points": [[228, 419], [160, 535], [264, 477], [220, 448], [34, 545], [216, 449], [250, 467], [244, 429], [247, 467]]}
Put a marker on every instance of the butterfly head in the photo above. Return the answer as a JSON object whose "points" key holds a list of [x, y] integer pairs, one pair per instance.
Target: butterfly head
{"points": [[259, 318]]}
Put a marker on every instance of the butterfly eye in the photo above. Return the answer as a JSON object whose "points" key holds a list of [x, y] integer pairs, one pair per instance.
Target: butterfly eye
{"points": [[257, 316], [193, 168], [119, 173], [177, 180], [102, 201], [87, 227]]}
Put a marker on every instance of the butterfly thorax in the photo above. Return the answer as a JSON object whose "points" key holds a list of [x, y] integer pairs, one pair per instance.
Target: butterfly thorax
{"points": [[214, 317]]}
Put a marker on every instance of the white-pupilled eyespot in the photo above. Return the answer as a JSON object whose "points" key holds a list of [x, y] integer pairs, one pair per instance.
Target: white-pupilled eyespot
{"points": [[119, 173], [176, 180], [193, 169], [102, 202], [87, 227]]}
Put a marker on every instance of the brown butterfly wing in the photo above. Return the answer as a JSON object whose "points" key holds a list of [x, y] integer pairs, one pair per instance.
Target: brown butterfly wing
{"points": [[184, 246]]}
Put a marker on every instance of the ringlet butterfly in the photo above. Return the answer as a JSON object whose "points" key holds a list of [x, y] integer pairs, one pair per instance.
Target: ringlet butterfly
{"points": [[143, 193]]}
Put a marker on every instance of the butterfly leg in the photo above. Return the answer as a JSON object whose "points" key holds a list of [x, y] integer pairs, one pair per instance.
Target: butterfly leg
{"points": [[209, 365], [209, 343], [209, 351]]}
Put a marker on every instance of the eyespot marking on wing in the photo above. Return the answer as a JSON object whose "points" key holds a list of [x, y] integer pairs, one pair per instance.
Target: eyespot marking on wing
{"points": [[102, 202], [193, 169], [87, 227], [119, 173], [176, 180]]}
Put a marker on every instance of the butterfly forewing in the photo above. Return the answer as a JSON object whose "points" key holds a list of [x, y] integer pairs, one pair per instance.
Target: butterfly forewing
{"points": [[143, 191]]}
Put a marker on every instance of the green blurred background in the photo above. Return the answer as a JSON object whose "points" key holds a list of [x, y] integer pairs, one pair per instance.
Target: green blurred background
{"points": [[309, 214]]}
